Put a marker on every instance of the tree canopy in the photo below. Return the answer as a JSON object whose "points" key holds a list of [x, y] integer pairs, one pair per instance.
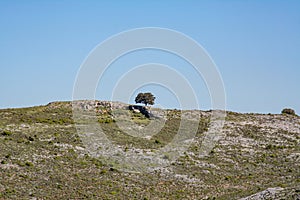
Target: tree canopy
{"points": [[145, 98]]}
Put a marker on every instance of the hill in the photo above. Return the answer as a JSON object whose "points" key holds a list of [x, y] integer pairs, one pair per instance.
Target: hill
{"points": [[43, 157]]}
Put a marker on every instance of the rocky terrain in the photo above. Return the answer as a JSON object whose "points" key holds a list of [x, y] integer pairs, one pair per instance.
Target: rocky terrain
{"points": [[42, 156]]}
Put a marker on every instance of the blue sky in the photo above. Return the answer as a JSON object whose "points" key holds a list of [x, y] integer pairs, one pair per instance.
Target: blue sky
{"points": [[255, 45]]}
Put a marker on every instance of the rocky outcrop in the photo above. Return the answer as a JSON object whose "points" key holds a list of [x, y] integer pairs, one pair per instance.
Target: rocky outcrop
{"points": [[140, 109], [102, 107], [275, 193]]}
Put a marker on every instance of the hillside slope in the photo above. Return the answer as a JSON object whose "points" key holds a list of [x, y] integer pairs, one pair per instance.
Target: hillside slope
{"points": [[42, 157]]}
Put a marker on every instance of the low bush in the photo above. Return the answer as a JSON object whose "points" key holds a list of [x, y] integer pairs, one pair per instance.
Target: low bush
{"points": [[288, 111], [6, 133]]}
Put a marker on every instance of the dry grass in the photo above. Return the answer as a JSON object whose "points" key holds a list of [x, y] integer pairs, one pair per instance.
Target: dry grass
{"points": [[41, 156]]}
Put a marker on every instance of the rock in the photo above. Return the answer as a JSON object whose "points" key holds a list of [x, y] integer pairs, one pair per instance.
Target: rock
{"points": [[275, 193], [141, 109], [136, 111]]}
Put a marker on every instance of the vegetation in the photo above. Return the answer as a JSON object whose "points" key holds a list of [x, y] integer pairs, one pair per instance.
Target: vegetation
{"points": [[145, 98], [288, 111], [42, 157]]}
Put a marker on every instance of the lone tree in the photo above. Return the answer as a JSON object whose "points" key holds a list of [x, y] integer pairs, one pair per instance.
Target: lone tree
{"points": [[145, 98]]}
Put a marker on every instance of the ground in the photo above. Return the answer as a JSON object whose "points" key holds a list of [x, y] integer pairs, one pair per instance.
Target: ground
{"points": [[43, 157]]}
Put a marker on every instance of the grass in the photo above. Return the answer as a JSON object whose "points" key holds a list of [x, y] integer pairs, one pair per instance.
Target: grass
{"points": [[43, 157]]}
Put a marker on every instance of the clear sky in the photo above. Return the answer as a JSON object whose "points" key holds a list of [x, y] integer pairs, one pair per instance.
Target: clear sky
{"points": [[255, 45]]}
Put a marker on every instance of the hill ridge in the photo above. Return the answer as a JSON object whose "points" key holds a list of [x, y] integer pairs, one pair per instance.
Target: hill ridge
{"points": [[42, 156]]}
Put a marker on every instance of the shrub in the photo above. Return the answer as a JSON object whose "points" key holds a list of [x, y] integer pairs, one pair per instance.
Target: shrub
{"points": [[29, 164], [106, 120], [3, 162], [288, 111], [6, 133], [157, 142]]}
